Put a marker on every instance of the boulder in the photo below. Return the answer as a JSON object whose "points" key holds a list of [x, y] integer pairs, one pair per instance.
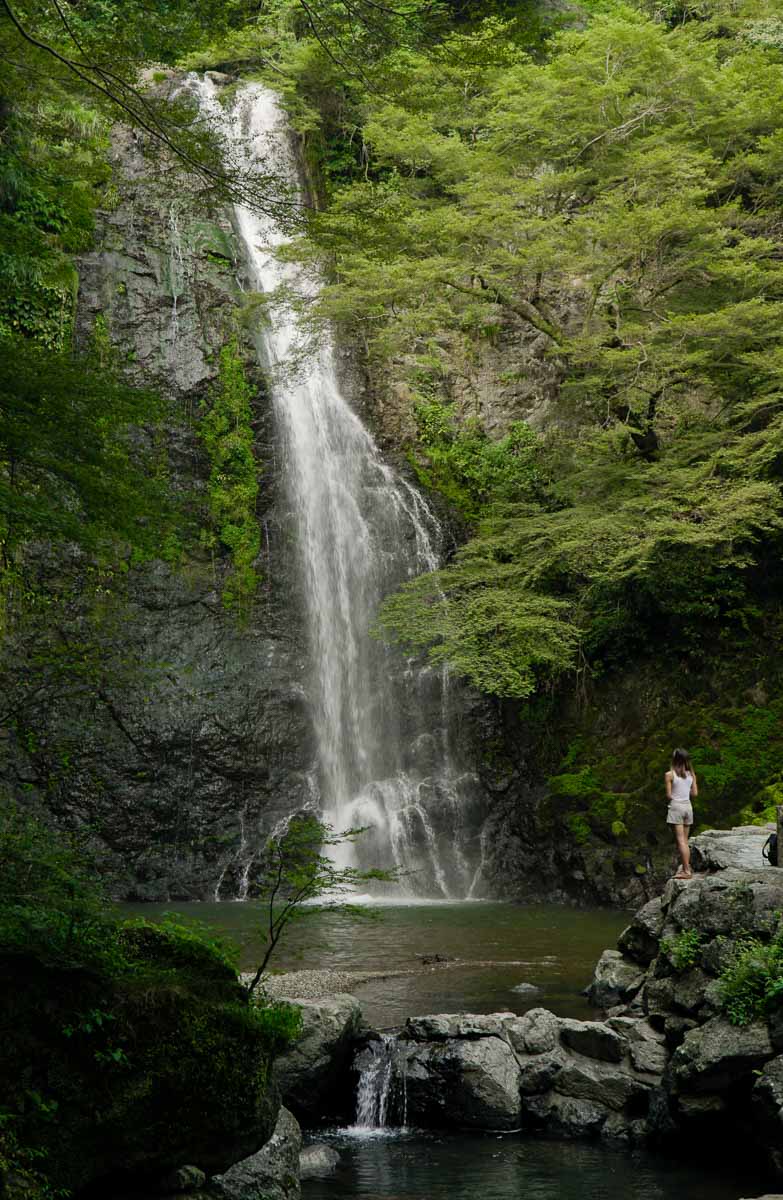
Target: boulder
{"points": [[443, 1026], [639, 941], [317, 1160], [272, 1173], [646, 1046], [717, 849], [196, 1086], [473, 1083], [537, 1073], [658, 999], [719, 905], [619, 1128], [609, 1086], [564, 1116], [717, 1054], [593, 1039], [534, 1033], [313, 1075], [615, 981], [689, 991], [675, 1028]]}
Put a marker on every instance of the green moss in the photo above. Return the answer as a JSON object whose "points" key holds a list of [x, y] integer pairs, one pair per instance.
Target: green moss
{"points": [[227, 433], [579, 827], [732, 724]]}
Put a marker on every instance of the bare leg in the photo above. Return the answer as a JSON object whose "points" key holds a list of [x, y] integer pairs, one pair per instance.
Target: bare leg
{"points": [[683, 849]]}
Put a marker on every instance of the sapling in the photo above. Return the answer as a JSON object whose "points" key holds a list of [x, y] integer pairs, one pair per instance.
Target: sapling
{"points": [[298, 879]]}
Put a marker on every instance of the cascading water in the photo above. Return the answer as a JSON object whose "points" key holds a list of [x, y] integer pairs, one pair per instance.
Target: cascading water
{"points": [[383, 727], [381, 1094]]}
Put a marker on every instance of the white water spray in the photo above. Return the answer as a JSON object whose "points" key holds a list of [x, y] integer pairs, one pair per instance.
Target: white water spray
{"points": [[383, 732]]}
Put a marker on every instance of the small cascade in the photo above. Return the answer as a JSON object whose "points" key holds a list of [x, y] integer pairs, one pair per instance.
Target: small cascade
{"points": [[381, 1094]]}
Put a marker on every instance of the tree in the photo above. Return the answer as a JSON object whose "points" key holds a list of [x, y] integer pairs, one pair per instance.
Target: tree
{"points": [[298, 879], [617, 202]]}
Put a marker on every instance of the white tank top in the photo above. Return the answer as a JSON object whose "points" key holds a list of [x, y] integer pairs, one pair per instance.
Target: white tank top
{"points": [[681, 787]]}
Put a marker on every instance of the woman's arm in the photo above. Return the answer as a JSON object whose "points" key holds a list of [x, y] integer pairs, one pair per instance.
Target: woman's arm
{"points": [[694, 784], [668, 781]]}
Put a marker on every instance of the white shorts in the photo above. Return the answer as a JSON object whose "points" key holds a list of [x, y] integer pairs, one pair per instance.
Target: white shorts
{"points": [[680, 813]]}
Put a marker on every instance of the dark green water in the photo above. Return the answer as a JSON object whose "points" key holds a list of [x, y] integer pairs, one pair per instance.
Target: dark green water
{"points": [[470, 1167], [547, 949]]}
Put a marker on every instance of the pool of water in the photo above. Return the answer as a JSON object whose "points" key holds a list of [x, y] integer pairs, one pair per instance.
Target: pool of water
{"points": [[468, 1167], [502, 957], [549, 953]]}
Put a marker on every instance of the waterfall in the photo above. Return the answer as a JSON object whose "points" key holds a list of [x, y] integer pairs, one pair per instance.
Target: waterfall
{"points": [[381, 1094], [383, 726]]}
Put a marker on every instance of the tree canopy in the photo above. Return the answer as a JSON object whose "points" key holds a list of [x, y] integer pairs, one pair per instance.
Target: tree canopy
{"points": [[616, 201]]}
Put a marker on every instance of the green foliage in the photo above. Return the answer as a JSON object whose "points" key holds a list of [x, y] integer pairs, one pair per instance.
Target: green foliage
{"points": [[466, 466], [227, 433], [298, 879], [610, 771], [144, 1017], [684, 951], [74, 465], [625, 218], [51, 903], [751, 984]]}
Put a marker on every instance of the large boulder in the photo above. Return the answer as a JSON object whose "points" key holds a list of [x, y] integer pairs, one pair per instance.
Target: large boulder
{"points": [[313, 1076], [716, 1055], [564, 1116], [612, 1087], [272, 1173], [640, 940], [467, 1082], [179, 1071], [593, 1039], [616, 980], [443, 1026], [721, 904], [534, 1033], [318, 1161]]}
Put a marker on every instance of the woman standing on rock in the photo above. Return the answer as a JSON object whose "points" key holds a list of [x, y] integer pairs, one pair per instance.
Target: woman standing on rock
{"points": [[681, 787]]}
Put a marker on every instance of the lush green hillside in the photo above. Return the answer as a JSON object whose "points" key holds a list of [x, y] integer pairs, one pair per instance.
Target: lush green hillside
{"points": [[587, 195]]}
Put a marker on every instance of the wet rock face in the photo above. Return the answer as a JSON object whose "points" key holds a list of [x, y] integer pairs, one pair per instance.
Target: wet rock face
{"points": [[186, 759], [313, 1076]]}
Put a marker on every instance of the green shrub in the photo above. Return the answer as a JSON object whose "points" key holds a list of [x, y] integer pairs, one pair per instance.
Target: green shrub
{"points": [[751, 984], [683, 951]]}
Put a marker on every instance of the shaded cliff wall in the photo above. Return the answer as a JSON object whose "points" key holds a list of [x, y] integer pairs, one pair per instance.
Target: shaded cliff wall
{"points": [[175, 770]]}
